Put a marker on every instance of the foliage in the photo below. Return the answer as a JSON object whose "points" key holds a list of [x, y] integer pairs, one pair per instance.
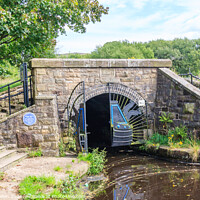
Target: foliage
{"points": [[62, 149], [194, 153], [97, 160], [43, 187], [8, 70], [32, 186], [30, 27], [71, 145], [124, 49], [158, 138], [37, 153], [179, 133], [1, 175], [184, 53], [57, 168], [165, 118]]}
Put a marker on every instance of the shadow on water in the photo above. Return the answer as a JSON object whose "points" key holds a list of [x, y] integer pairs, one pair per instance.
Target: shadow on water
{"points": [[132, 176]]}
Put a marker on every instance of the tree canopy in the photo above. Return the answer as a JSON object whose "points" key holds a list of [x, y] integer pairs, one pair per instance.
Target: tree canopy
{"points": [[124, 49], [184, 53], [31, 26]]}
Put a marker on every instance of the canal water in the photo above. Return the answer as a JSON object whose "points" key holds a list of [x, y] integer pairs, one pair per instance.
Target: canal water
{"points": [[136, 177]]}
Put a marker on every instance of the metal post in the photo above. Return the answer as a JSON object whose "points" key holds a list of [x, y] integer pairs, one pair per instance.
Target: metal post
{"points": [[111, 137], [31, 91], [147, 120], [191, 79], [25, 84], [86, 142], [9, 99]]}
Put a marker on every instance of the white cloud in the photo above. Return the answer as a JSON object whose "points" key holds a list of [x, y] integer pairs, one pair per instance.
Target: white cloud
{"points": [[137, 20]]}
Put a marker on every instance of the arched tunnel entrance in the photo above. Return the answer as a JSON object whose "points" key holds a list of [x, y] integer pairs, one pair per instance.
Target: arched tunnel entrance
{"points": [[108, 115], [98, 118]]}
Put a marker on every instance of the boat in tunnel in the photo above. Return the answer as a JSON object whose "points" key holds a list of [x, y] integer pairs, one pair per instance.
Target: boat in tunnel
{"points": [[121, 130]]}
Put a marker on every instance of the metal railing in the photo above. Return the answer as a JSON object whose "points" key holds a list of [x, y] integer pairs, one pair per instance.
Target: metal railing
{"points": [[26, 89], [192, 78]]}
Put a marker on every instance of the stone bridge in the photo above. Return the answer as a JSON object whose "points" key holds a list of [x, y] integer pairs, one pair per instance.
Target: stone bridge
{"points": [[55, 79]]}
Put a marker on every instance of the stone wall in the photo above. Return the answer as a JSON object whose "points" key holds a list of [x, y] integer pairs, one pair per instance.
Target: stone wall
{"points": [[44, 133], [60, 76], [180, 98]]}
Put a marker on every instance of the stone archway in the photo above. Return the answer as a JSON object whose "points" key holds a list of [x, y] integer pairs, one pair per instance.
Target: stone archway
{"points": [[132, 104]]}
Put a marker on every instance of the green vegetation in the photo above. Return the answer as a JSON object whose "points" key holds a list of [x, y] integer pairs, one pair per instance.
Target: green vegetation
{"points": [[28, 29], [67, 146], [8, 74], [96, 159], [165, 118], [176, 137], [43, 187], [62, 149], [184, 53], [37, 153], [57, 168], [1, 175]]}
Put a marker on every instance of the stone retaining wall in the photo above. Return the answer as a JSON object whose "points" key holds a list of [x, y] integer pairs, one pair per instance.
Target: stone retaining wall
{"points": [[44, 133], [179, 97]]}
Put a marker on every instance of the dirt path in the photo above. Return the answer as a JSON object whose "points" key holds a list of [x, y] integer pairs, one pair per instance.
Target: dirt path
{"points": [[37, 166]]}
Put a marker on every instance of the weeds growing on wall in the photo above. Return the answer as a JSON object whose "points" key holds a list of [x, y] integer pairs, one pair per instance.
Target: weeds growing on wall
{"points": [[176, 137]]}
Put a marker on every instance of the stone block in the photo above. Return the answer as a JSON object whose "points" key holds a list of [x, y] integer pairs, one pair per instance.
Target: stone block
{"points": [[37, 139], [24, 140], [50, 137], [50, 153], [189, 108]]}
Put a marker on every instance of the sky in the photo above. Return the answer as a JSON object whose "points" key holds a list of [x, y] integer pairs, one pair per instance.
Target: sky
{"points": [[138, 21]]}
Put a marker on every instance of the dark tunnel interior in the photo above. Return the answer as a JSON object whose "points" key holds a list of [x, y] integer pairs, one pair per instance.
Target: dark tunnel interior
{"points": [[98, 117]]}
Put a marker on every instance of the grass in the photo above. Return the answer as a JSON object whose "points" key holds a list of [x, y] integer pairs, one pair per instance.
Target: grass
{"points": [[43, 187], [9, 74], [175, 140], [37, 153], [57, 168], [68, 166], [33, 186], [1, 176], [194, 153], [96, 159]]}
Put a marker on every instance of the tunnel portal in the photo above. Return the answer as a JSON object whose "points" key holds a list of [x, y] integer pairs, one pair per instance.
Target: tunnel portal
{"points": [[98, 117]]}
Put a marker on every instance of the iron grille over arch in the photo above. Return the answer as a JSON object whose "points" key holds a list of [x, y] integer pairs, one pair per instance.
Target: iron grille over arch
{"points": [[127, 98]]}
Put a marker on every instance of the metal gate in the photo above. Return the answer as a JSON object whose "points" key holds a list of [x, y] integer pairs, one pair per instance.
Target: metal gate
{"points": [[77, 114]]}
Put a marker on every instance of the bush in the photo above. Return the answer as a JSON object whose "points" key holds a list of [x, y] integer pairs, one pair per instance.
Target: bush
{"points": [[179, 133], [158, 138], [97, 160]]}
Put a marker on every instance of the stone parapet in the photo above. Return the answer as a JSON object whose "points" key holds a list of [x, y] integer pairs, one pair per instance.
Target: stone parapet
{"points": [[99, 63]]}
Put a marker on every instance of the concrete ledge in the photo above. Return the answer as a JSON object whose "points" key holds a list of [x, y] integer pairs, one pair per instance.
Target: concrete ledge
{"points": [[182, 154], [100, 63], [181, 82], [45, 97]]}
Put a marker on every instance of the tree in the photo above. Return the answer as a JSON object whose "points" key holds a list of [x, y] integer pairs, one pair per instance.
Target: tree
{"points": [[31, 26], [124, 49]]}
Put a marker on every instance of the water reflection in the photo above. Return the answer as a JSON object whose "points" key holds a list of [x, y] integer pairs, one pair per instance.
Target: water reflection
{"points": [[144, 178]]}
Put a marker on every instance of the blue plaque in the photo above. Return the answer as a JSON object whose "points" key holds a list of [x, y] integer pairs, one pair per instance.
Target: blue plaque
{"points": [[29, 119]]}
